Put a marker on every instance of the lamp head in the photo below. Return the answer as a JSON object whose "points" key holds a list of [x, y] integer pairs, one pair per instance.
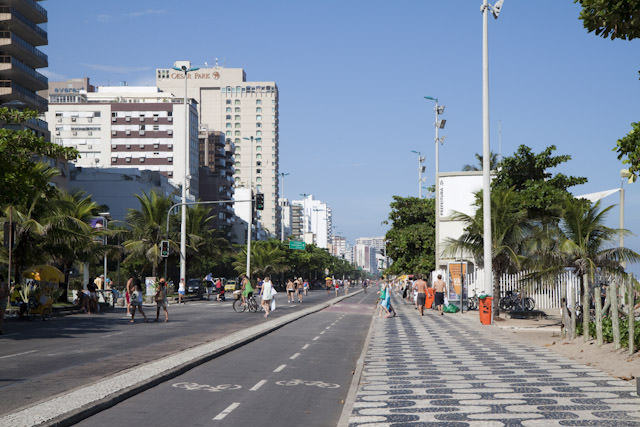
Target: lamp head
{"points": [[431, 98], [497, 7], [440, 123]]}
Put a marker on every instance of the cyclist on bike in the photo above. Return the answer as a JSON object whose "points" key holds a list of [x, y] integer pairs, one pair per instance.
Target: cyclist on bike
{"points": [[247, 289]]}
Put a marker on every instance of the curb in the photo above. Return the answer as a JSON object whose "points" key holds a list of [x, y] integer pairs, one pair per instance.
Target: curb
{"points": [[72, 406]]}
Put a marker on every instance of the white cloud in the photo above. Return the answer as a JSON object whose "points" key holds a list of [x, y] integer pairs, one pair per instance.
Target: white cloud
{"points": [[51, 75], [146, 12], [104, 18]]}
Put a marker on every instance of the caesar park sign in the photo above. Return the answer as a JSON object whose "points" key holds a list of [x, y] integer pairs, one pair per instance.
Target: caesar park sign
{"points": [[295, 244], [203, 75]]}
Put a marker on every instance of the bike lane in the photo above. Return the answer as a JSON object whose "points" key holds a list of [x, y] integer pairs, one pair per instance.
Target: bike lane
{"points": [[297, 375]]}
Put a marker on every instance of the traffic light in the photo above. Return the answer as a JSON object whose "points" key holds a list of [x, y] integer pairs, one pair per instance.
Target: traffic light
{"points": [[259, 201], [164, 248]]}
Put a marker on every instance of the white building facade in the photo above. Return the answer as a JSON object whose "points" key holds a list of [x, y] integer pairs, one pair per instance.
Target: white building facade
{"points": [[316, 219], [247, 112]]}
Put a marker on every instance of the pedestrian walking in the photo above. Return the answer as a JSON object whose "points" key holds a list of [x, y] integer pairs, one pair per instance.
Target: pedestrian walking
{"points": [[329, 283], [161, 299], [346, 286], [337, 286], [4, 300], [181, 292], [439, 286], [136, 300], [128, 292], [421, 287], [290, 290], [305, 285], [267, 295]]}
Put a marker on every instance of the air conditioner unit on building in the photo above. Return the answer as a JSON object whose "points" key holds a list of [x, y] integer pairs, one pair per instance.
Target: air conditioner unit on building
{"points": [[155, 118], [128, 145], [114, 159], [97, 160], [128, 132], [89, 147], [141, 132], [114, 132], [128, 160], [57, 132], [114, 146], [170, 132], [170, 118], [128, 118], [156, 145], [170, 159], [73, 119], [141, 159], [90, 133], [113, 118], [75, 133], [170, 146], [141, 146]]}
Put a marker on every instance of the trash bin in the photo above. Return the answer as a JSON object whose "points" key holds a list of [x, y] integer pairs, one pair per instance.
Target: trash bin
{"points": [[484, 306], [428, 303]]}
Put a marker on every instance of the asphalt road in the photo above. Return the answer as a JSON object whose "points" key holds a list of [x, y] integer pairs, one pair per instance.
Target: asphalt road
{"points": [[297, 375], [43, 359]]}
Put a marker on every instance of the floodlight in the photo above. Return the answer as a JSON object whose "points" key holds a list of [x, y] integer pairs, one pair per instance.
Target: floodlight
{"points": [[495, 10], [440, 123]]}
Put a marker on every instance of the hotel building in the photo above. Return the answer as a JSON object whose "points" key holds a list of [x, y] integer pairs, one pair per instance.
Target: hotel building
{"points": [[247, 113]]}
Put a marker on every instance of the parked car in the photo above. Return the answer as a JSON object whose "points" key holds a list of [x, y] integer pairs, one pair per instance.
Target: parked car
{"points": [[195, 286], [231, 286]]}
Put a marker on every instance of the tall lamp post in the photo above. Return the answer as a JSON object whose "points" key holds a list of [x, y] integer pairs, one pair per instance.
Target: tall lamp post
{"points": [[105, 216], [282, 175], [420, 171], [248, 271], [185, 67], [486, 151], [439, 124]]}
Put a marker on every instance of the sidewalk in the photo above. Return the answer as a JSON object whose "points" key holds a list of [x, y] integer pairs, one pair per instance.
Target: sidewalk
{"points": [[452, 369]]}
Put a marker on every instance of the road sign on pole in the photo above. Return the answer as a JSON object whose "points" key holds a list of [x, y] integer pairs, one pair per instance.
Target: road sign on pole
{"points": [[295, 244]]}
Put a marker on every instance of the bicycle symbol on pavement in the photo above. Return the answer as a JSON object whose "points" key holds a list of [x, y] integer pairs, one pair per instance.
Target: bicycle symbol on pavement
{"points": [[206, 387], [319, 384]]}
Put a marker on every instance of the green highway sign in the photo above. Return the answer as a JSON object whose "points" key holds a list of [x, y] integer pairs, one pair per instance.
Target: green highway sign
{"points": [[295, 244]]}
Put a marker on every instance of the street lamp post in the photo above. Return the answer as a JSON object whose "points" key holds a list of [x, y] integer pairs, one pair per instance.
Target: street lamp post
{"points": [[105, 217], [185, 67], [439, 124], [420, 171], [486, 151], [282, 175], [250, 224]]}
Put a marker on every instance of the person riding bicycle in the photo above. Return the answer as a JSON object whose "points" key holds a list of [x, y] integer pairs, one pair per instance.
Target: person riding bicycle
{"points": [[247, 289]]}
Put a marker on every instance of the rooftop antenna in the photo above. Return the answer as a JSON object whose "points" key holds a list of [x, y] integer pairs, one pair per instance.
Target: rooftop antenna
{"points": [[499, 140], [206, 64], [217, 63]]}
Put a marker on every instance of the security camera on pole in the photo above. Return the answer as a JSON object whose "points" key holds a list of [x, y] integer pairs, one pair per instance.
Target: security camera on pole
{"points": [[185, 67]]}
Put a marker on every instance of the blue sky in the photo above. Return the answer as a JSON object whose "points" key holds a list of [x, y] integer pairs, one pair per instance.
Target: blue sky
{"points": [[352, 76]]}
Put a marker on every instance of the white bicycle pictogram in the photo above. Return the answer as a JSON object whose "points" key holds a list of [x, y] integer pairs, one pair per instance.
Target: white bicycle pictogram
{"points": [[206, 387], [294, 382]]}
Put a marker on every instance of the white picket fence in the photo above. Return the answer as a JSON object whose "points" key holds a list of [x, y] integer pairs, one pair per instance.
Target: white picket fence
{"points": [[546, 294]]}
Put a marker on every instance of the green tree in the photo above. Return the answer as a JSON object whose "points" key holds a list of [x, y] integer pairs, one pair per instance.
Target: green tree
{"points": [[267, 258], [411, 239], [21, 173], [615, 19], [585, 246], [493, 163], [540, 192], [628, 149], [147, 228], [510, 228]]}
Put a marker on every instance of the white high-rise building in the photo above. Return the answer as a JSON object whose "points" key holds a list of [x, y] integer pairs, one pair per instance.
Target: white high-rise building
{"points": [[316, 219], [247, 112]]}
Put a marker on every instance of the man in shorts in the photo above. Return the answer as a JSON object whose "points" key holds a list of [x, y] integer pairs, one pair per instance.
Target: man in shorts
{"points": [[291, 287], [161, 299], [421, 287], [439, 286]]}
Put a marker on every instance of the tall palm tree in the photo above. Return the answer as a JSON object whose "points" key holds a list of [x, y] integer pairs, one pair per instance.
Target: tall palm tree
{"points": [[147, 228], [585, 247], [203, 243], [267, 258], [510, 229], [493, 163]]}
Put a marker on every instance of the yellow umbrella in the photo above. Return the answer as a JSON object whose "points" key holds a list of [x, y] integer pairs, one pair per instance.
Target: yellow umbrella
{"points": [[44, 273]]}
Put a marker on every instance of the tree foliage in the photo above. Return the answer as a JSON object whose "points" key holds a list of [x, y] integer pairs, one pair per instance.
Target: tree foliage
{"points": [[628, 149], [22, 171], [615, 19], [539, 191], [411, 239]]}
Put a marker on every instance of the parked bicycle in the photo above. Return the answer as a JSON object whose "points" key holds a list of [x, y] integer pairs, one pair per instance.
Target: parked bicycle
{"points": [[513, 301], [472, 301], [249, 303]]}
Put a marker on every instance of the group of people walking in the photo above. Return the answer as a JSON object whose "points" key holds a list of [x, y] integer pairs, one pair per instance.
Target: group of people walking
{"points": [[414, 292]]}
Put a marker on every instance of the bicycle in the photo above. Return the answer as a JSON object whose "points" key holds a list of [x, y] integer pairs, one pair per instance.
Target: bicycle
{"points": [[472, 301], [513, 301], [249, 303]]}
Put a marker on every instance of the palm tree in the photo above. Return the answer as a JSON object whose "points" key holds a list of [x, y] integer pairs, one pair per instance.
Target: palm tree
{"points": [[147, 229], [583, 246], [204, 246], [510, 229], [493, 163], [267, 258]]}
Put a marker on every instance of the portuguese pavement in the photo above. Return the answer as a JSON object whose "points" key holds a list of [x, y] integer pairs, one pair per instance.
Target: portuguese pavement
{"points": [[451, 370]]}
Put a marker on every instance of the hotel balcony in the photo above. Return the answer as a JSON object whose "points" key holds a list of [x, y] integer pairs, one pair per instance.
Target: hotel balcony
{"points": [[19, 24], [14, 70], [11, 91], [12, 44]]}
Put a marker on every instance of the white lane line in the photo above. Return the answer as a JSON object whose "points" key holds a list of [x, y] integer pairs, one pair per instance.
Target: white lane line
{"points": [[226, 412], [295, 356], [316, 338], [17, 354], [258, 385], [280, 368], [322, 333], [110, 335], [328, 327], [306, 346]]}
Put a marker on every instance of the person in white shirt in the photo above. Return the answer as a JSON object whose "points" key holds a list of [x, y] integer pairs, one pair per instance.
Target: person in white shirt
{"points": [[266, 293]]}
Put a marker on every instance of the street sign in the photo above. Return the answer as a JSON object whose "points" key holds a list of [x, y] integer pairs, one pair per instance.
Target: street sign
{"points": [[295, 244]]}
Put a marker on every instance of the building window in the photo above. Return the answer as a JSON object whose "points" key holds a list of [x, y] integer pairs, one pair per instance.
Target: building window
{"points": [[258, 110], [228, 134], [258, 156], [237, 102], [228, 125], [228, 109], [237, 164], [258, 117], [259, 188], [228, 117], [258, 102], [237, 156], [259, 140], [259, 133], [238, 117], [258, 148], [258, 179], [237, 133], [237, 125], [258, 125], [258, 170], [228, 102], [237, 142], [237, 110]]}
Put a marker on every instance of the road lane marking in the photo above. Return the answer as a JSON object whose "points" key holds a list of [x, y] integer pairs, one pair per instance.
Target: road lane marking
{"points": [[110, 335], [295, 356], [17, 354], [322, 333], [258, 385], [280, 368], [328, 327], [306, 346], [316, 338], [226, 412]]}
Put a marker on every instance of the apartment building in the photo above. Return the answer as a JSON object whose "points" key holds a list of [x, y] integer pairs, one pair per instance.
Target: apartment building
{"points": [[247, 113], [21, 32], [129, 127], [316, 220]]}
